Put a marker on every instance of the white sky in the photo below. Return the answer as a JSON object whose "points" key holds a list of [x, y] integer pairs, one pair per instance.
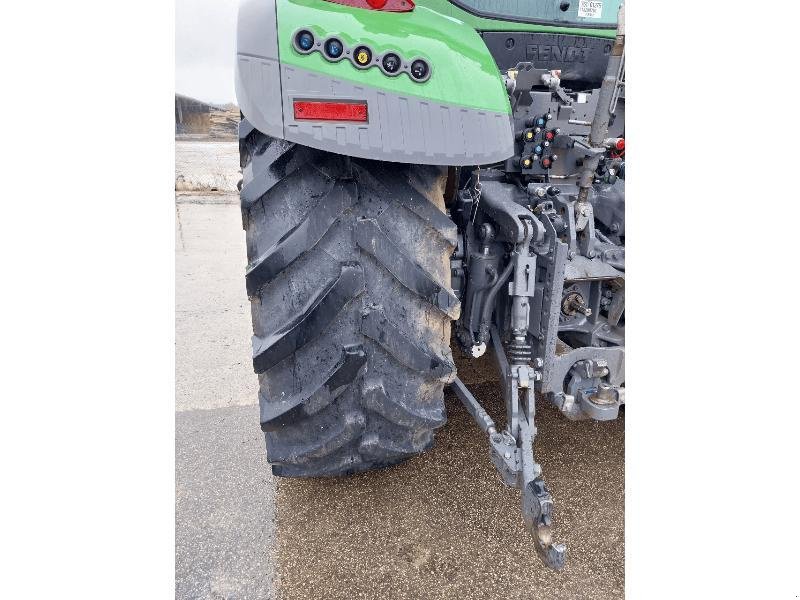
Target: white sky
{"points": [[205, 38]]}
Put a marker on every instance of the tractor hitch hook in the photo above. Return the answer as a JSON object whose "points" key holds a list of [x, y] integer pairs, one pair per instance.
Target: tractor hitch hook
{"points": [[514, 461]]}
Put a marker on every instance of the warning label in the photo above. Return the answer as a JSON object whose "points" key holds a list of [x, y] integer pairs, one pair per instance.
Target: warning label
{"points": [[590, 9]]}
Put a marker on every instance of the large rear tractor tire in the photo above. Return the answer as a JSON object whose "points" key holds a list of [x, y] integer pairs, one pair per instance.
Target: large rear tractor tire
{"points": [[349, 280]]}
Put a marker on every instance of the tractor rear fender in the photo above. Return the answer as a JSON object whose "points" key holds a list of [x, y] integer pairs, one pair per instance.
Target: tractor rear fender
{"points": [[258, 84], [458, 114]]}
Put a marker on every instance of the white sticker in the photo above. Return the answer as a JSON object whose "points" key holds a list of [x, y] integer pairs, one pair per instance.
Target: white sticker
{"points": [[590, 9]]}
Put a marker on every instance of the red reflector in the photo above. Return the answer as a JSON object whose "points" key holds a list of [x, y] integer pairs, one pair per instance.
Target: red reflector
{"points": [[385, 5], [316, 110], [620, 144]]}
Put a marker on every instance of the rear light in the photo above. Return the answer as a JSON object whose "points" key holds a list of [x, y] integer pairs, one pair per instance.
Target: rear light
{"points": [[330, 110], [385, 5]]}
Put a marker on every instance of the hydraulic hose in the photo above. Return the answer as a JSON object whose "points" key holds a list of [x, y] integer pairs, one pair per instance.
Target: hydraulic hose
{"points": [[488, 302]]}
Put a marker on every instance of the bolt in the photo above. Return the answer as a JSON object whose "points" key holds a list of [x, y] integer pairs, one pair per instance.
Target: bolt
{"points": [[605, 393], [573, 303], [507, 455]]}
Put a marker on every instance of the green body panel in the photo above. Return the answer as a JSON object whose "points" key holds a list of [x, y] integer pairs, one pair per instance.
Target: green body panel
{"points": [[463, 71], [483, 24]]}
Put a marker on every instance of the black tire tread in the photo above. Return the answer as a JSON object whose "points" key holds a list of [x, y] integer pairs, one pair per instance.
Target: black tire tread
{"points": [[349, 280]]}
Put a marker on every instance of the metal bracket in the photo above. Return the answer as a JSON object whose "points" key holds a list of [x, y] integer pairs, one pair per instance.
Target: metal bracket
{"points": [[524, 282], [515, 221], [506, 458]]}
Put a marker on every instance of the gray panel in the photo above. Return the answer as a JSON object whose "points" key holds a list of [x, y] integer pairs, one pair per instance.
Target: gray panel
{"points": [[257, 28], [258, 90], [258, 84], [406, 129]]}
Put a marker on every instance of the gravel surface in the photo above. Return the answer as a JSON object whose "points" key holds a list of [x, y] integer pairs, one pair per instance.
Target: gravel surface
{"points": [[443, 526]]}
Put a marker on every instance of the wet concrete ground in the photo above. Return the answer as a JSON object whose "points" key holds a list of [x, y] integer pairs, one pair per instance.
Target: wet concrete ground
{"points": [[224, 506], [441, 525]]}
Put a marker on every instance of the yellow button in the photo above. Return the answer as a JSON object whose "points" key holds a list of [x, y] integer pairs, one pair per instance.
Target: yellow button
{"points": [[362, 58]]}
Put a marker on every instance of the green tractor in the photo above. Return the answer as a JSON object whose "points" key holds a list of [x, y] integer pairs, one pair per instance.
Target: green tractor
{"points": [[422, 176]]}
